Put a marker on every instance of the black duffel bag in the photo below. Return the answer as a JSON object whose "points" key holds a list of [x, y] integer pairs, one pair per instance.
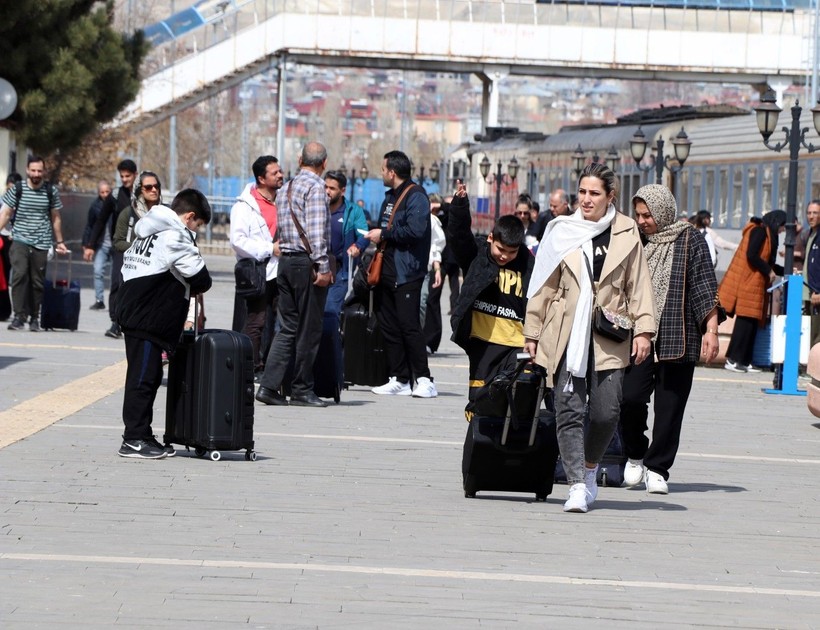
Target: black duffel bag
{"points": [[251, 275]]}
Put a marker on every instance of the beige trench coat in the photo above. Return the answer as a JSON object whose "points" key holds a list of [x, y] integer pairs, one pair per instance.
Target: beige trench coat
{"points": [[624, 286]]}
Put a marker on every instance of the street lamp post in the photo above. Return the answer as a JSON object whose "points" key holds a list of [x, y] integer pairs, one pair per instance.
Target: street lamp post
{"points": [[767, 115], [498, 178], [681, 144], [579, 159]]}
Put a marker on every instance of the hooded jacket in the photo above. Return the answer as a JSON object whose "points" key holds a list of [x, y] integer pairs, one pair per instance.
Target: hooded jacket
{"points": [[161, 270]]}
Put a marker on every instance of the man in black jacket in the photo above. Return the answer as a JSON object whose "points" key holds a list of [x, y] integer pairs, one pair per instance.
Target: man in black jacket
{"points": [[102, 255], [406, 241], [112, 207], [488, 319]]}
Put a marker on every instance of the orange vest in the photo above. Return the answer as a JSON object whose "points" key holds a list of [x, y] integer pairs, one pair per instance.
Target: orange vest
{"points": [[743, 289]]}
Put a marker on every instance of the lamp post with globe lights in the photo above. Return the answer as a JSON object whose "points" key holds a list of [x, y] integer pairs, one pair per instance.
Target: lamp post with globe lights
{"points": [[768, 113]]}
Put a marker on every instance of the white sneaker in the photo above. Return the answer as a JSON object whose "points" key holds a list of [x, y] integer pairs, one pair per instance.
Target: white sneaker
{"points": [[425, 388], [591, 482], [578, 500], [633, 472], [393, 387], [751, 369], [734, 367], [655, 484]]}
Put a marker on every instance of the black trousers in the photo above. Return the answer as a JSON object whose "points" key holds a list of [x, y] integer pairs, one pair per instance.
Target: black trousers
{"points": [[671, 383], [486, 360], [432, 320], [300, 311], [742, 344], [142, 380], [452, 271], [257, 318], [398, 312], [116, 281]]}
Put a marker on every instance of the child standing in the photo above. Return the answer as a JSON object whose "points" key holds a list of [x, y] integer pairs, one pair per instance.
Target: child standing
{"points": [[489, 314], [161, 270]]}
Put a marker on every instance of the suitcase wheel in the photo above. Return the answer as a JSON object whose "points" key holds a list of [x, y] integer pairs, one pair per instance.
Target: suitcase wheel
{"points": [[250, 455], [469, 487], [200, 452], [216, 456]]}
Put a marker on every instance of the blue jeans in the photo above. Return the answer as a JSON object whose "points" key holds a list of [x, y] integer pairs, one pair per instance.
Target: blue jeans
{"points": [[102, 257]]}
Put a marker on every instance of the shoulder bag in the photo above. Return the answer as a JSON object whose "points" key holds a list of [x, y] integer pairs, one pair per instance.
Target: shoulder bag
{"points": [[606, 323], [251, 275]]}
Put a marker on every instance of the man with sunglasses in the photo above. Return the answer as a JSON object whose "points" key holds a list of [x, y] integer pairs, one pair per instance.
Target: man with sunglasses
{"points": [[118, 200]]}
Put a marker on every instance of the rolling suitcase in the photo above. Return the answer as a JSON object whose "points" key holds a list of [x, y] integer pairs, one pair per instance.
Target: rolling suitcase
{"points": [[516, 452], [61, 299], [365, 359], [210, 394]]}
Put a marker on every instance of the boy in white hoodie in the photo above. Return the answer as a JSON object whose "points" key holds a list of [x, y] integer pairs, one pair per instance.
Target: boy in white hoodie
{"points": [[161, 271]]}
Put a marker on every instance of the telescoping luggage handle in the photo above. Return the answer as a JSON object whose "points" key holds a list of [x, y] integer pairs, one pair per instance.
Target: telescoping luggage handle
{"points": [[57, 268], [523, 359]]}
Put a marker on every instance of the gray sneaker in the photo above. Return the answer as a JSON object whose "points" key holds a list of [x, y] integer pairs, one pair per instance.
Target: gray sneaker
{"points": [[17, 324], [141, 449], [34, 326]]}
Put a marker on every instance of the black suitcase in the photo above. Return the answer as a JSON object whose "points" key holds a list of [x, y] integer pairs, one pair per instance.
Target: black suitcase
{"points": [[61, 299], [365, 359], [210, 394], [516, 453]]}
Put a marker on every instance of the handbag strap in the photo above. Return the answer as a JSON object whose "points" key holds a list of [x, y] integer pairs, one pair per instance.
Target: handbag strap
{"points": [[299, 228], [396, 207], [591, 277]]}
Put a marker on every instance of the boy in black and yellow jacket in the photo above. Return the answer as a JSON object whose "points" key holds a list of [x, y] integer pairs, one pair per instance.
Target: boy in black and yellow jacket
{"points": [[161, 270], [489, 314]]}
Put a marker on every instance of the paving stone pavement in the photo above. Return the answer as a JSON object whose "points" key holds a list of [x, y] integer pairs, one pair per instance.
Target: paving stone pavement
{"points": [[353, 515]]}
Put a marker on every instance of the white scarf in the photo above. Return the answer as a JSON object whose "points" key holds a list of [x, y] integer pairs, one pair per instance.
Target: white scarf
{"points": [[564, 235]]}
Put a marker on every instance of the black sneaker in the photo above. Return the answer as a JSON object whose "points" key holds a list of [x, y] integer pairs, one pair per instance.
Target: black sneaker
{"points": [[34, 326], [98, 306], [115, 332], [141, 449], [17, 324], [167, 448]]}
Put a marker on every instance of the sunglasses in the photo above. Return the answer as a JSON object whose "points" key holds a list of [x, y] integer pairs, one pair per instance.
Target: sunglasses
{"points": [[150, 186], [522, 214]]}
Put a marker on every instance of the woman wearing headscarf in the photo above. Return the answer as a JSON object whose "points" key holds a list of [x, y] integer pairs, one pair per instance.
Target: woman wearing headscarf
{"points": [[687, 310], [589, 262], [743, 289]]}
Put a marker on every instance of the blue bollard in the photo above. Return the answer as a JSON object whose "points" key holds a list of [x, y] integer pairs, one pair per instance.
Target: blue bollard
{"points": [[794, 314]]}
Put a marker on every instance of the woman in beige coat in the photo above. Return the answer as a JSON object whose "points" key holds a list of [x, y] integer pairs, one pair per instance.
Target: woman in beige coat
{"points": [[593, 257]]}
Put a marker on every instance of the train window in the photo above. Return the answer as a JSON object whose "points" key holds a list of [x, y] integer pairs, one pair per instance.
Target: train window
{"points": [[696, 188], [781, 186], [683, 196], [766, 188], [738, 198], [815, 179]]}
